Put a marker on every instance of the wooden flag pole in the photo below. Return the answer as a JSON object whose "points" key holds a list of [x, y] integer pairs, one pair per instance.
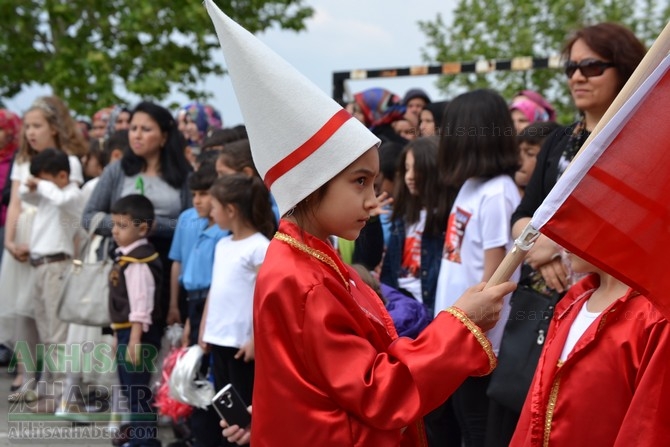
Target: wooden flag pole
{"points": [[658, 51], [514, 257]]}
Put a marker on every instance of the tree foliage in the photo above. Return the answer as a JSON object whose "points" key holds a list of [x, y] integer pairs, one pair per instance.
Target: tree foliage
{"points": [[87, 49], [503, 29]]}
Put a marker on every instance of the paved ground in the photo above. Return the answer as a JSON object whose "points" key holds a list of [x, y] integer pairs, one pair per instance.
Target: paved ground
{"points": [[18, 425]]}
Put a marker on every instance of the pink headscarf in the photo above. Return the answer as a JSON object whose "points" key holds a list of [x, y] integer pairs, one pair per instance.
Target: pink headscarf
{"points": [[534, 106], [11, 124]]}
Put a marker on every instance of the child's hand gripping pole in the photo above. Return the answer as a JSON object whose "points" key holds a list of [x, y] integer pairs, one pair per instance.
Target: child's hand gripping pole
{"points": [[514, 257]]}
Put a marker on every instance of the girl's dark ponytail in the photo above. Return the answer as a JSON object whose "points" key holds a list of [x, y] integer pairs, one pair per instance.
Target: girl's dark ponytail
{"points": [[262, 217], [251, 198]]}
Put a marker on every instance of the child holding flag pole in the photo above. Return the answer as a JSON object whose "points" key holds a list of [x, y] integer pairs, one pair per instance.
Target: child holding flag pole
{"points": [[658, 51], [601, 379], [330, 368]]}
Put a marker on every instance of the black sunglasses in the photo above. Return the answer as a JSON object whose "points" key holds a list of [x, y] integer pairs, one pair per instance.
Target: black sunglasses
{"points": [[588, 67]]}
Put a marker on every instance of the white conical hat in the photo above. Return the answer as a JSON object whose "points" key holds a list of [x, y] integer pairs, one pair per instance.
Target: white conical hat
{"points": [[300, 138]]}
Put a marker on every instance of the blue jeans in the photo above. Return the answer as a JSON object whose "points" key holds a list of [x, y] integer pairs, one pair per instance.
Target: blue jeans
{"points": [[135, 386]]}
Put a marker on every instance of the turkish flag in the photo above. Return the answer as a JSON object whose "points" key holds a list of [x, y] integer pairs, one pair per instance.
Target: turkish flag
{"points": [[612, 205]]}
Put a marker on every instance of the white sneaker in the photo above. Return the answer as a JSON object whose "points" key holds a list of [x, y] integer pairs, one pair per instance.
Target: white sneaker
{"points": [[22, 396]]}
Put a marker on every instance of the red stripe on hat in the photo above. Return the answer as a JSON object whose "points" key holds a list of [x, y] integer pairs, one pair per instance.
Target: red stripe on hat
{"points": [[307, 148]]}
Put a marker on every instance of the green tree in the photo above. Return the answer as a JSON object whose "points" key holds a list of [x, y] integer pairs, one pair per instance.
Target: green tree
{"points": [[503, 29], [86, 49]]}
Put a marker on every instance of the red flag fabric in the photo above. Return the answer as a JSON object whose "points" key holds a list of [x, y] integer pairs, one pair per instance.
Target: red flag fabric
{"points": [[612, 206]]}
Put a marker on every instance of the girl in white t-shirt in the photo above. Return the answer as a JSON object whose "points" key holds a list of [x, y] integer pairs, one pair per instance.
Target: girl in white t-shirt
{"points": [[477, 160], [240, 204]]}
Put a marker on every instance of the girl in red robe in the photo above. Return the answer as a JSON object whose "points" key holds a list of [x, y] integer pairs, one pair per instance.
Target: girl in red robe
{"points": [[330, 368]]}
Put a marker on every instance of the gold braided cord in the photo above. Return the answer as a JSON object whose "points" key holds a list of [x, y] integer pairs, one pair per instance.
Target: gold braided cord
{"points": [[551, 406], [479, 335], [123, 260], [321, 256]]}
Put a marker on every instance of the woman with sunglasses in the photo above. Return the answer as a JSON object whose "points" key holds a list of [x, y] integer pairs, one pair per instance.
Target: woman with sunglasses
{"points": [[599, 60]]}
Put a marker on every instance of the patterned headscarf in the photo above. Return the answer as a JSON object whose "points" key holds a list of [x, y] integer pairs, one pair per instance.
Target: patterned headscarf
{"points": [[204, 116], [534, 106], [11, 124], [379, 106], [111, 124], [103, 114]]}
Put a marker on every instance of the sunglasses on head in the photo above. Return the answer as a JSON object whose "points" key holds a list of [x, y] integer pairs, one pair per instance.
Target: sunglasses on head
{"points": [[588, 67]]}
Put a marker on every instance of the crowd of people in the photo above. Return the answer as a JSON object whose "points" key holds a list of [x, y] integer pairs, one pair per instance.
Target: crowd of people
{"points": [[382, 338]]}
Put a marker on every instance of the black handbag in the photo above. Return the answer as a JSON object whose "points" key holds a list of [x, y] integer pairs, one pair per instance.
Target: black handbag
{"points": [[521, 346]]}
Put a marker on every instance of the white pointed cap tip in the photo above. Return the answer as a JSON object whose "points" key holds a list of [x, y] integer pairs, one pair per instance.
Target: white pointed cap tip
{"points": [[300, 138]]}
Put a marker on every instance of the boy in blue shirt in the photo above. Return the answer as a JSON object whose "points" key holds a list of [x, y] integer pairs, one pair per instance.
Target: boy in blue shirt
{"points": [[192, 253]]}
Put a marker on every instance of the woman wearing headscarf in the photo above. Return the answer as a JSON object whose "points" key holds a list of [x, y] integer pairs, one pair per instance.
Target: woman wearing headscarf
{"points": [[10, 133], [119, 119], [196, 120], [528, 107], [430, 118], [100, 121], [380, 108]]}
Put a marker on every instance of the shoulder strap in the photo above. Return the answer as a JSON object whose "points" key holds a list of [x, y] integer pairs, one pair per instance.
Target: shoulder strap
{"points": [[96, 220]]}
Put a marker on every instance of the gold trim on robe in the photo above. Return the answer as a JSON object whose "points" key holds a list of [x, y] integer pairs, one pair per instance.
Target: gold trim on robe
{"points": [[479, 335]]}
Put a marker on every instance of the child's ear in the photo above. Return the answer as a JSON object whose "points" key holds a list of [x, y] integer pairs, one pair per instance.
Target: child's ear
{"points": [[144, 229], [248, 171], [230, 209], [63, 176], [116, 154]]}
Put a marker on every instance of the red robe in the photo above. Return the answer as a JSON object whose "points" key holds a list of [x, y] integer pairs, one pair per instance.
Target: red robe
{"points": [[612, 389], [330, 369]]}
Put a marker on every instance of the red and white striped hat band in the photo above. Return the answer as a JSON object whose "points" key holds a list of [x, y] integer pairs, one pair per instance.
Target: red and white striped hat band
{"points": [[300, 137], [308, 148]]}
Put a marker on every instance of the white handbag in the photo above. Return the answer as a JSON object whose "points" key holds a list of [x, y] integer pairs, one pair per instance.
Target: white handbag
{"points": [[85, 296]]}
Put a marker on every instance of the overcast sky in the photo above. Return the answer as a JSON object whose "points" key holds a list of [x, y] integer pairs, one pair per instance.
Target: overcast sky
{"points": [[341, 36]]}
